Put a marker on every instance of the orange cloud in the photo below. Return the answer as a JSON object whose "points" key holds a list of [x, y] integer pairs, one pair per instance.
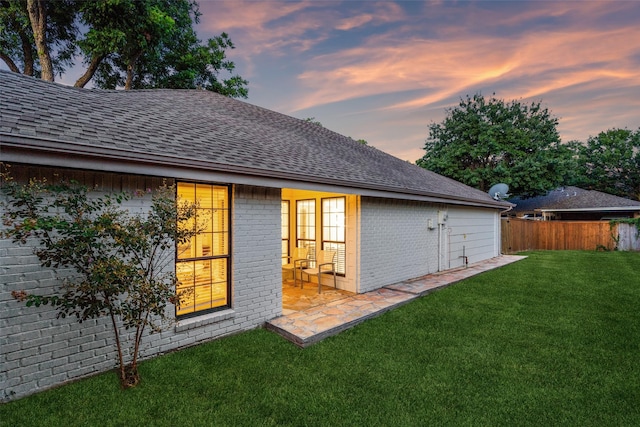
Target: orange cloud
{"points": [[353, 22], [279, 26], [447, 67], [255, 21]]}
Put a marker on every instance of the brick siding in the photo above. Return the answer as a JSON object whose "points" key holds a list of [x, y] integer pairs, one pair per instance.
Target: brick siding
{"points": [[396, 243], [39, 351]]}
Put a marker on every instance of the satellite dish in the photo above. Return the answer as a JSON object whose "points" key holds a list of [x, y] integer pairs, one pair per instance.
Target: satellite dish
{"points": [[499, 191]]}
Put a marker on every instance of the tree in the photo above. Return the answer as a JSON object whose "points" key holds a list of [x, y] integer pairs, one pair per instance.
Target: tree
{"points": [[316, 122], [54, 25], [313, 120], [121, 30], [127, 43], [610, 162], [122, 261], [484, 142]]}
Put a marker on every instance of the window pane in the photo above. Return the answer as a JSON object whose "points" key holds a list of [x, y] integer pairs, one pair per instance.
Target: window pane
{"points": [[186, 191], [219, 283], [220, 243], [306, 226], [284, 232], [219, 217], [185, 274], [311, 245], [285, 219], [186, 250], [204, 277], [285, 251], [334, 228], [203, 245], [203, 195], [340, 248], [219, 200], [203, 219], [306, 216]]}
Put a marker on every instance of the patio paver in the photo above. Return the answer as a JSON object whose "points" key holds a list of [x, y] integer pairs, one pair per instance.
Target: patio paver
{"points": [[311, 325]]}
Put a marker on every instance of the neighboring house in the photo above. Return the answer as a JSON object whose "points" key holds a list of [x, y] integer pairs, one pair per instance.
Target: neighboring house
{"points": [[573, 204], [272, 182]]}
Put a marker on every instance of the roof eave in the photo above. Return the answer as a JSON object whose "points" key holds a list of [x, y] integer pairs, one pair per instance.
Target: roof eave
{"points": [[596, 209], [20, 149]]}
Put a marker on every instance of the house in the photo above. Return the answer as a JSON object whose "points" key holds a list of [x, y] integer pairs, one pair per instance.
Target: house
{"points": [[573, 204], [274, 183]]}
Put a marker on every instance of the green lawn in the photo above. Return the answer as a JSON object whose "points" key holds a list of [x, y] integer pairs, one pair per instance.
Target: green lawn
{"points": [[551, 340]]}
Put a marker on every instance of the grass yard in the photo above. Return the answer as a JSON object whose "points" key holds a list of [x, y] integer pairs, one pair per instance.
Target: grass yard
{"points": [[551, 340]]}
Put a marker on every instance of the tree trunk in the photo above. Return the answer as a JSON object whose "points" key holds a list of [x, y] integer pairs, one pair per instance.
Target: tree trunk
{"points": [[38, 17], [122, 366], [27, 51], [129, 81], [131, 67], [91, 70], [12, 65]]}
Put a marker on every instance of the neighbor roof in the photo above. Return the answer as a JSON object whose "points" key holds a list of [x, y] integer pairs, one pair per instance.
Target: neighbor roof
{"points": [[574, 199], [203, 130]]}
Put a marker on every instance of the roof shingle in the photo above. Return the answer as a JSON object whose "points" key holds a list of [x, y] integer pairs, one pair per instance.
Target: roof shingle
{"points": [[573, 198], [200, 125]]}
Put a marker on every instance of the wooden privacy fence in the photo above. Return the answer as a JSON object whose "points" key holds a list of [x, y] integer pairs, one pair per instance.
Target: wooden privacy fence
{"points": [[524, 235]]}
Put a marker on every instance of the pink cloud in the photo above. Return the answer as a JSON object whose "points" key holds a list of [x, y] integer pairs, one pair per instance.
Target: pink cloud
{"points": [[538, 63], [353, 22], [255, 24], [382, 12]]}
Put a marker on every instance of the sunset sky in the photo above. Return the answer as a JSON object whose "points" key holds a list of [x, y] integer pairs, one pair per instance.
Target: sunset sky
{"points": [[383, 70]]}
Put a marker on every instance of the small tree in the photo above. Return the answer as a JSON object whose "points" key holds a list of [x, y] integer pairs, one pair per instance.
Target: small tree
{"points": [[121, 260]]}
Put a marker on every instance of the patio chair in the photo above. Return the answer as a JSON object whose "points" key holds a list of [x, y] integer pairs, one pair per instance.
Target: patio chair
{"points": [[325, 263], [296, 261]]}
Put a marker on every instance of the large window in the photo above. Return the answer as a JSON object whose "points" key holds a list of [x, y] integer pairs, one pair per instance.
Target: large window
{"points": [[306, 226], [333, 230], [202, 265], [285, 231]]}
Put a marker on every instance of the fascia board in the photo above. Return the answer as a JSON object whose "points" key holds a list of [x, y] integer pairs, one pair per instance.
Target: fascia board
{"points": [[608, 209]]}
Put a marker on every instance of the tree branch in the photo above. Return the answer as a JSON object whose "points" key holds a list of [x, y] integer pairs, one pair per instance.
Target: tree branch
{"points": [[91, 70], [12, 65], [131, 66], [27, 51]]}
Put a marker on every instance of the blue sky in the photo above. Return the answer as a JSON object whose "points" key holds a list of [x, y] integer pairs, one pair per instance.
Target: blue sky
{"points": [[384, 70]]}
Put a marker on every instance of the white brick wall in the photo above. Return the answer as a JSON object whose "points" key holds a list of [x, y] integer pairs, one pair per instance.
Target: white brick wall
{"points": [[472, 231], [38, 351], [395, 242]]}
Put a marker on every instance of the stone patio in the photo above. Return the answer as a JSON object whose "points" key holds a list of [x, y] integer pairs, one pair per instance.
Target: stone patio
{"points": [[309, 317]]}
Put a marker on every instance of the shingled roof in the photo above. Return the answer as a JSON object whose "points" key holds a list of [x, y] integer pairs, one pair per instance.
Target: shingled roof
{"points": [[208, 131], [574, 199]]}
